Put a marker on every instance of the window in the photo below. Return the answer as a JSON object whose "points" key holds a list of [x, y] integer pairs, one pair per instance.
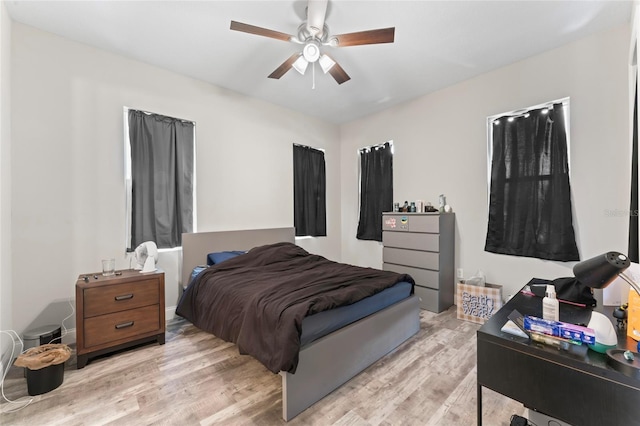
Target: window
{"points": [[160, 178], [530, 195], [376, 189], [309, 192]]}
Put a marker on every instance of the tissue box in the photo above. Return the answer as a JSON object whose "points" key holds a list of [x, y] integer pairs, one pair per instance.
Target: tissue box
{"points": [[477, 304]]}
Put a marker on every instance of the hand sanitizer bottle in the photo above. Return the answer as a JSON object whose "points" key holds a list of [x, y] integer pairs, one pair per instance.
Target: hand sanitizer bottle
{"points": [[550, 306]]}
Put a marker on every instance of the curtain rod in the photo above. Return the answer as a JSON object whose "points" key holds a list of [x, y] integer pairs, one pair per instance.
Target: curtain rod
{"points": [[164, 115], [380, 145], [517, 112], [307, 146]]}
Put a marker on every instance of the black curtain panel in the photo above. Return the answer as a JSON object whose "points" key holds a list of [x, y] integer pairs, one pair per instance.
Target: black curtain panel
{"points": [[162, 154], [530, 196], [309, 192], [633, 216], [376, 190]]}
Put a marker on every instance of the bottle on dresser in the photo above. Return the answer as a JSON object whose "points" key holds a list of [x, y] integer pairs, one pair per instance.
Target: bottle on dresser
{"points": [[550, 305]]}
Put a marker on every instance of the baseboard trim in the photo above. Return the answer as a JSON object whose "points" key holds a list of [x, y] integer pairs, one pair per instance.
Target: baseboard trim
{"points": [[169, 313]]}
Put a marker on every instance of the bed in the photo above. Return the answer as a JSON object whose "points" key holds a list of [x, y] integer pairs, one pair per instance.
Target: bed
{"points": [[326, 363]]}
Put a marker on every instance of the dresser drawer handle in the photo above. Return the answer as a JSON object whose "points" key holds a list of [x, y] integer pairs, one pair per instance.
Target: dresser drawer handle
{"points": [[124, 325], [124, 297]]}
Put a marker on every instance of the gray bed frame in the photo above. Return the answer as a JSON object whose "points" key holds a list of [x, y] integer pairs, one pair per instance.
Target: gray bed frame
{"points": [[327, 363]]}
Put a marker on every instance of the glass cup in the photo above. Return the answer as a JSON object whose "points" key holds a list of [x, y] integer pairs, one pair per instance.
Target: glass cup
{"points": [[108, 267]]}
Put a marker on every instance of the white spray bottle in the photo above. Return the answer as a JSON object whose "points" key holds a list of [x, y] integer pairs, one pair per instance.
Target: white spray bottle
{"points": [[550, 305]]}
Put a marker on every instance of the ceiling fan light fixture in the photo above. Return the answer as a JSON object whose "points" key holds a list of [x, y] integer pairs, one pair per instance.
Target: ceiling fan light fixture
{"points": [[300, 64], [311, 51], [326, 63], [313, 33]]}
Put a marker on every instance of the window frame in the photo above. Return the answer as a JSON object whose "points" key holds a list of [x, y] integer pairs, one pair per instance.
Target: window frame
{"points": [[359, 153], [492, 119], [324, 159], [128, 177], [516, 229]]}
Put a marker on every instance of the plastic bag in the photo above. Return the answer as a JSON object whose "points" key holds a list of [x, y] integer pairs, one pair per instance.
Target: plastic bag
{"points": [[43, 356], [478, 279]]}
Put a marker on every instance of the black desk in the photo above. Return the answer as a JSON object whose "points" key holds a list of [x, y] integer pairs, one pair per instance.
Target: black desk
{"points": [[577, 388]]}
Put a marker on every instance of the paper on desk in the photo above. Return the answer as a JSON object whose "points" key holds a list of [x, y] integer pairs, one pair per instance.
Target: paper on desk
{"points": [[511, 328], [617, 293]]}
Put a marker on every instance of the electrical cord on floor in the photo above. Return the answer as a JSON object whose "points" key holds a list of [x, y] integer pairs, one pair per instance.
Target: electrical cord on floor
{"points": [[22, 404], [65, 331]]}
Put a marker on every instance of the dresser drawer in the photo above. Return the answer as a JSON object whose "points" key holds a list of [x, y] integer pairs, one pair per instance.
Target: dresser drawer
{"points": [[429, 298], [419, 259], [121, 325], [422, 277], [411, 240], [411, 222], [102, 300]]}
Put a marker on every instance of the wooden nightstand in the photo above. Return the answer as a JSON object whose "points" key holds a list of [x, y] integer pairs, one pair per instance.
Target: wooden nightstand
{"points": [[119, 311]]}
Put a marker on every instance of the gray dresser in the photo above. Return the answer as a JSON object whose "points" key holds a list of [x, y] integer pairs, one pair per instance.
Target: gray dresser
{"points": [[422, 245]]}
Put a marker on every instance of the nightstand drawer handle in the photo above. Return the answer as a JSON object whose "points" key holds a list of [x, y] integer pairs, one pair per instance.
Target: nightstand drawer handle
{"points": [[124, 297], [124, 325]]}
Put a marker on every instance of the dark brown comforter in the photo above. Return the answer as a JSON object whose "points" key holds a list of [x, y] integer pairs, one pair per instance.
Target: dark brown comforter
{"points": [[258, 300]]}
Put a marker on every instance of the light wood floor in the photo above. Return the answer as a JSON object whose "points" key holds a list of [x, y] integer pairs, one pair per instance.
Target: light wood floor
{"points": [[196, 378]]}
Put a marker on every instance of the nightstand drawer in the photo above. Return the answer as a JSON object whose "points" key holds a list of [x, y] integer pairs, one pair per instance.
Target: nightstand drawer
{"points": [[120, 297], [121, 325]]}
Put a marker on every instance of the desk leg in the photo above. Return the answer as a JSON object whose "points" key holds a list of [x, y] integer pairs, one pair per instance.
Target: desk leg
{"points": [[479, 404]]}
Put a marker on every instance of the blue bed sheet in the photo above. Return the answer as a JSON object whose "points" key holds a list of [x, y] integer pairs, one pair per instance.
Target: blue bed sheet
{"points": [[323, 323]]}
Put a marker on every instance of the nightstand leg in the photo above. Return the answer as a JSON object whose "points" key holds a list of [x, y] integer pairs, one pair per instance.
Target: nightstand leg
{"points": [[82, 361], [161, 339]]}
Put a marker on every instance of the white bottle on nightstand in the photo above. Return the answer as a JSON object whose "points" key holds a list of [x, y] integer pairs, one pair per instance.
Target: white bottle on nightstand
{"points": [[550, 305]]}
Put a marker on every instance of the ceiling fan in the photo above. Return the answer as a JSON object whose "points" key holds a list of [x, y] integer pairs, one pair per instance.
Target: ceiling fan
{"points": [[314, 34]]}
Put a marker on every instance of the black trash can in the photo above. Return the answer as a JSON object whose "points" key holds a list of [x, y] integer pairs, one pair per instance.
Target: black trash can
{"points": [[44, 367], [44, 380]]}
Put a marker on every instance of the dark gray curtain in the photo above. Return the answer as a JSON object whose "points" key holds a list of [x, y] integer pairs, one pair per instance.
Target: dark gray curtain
{"points": [[162, 150], [633, 214], [309, 192], [376, 190], [530, 197]]}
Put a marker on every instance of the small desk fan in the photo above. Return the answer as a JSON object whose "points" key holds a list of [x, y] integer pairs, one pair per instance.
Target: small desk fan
{"points": [[146, 255]]}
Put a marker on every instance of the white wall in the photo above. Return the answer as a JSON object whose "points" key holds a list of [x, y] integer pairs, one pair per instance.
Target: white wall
{"points": [[441, 147], [67, 175], [66, 187], [5, 176]]}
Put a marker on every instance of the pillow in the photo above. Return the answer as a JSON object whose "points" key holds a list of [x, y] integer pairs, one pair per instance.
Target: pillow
{"points": [[221, 256], [195, 272]]}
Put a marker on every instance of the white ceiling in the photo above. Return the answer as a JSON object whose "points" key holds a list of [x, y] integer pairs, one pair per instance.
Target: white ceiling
{"points": [[437, 43]]}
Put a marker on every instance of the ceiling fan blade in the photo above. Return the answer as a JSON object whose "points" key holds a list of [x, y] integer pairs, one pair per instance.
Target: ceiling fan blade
{"points": [[338, 73], [383, 35], [316, 12], [252, 29], [284, 67]]}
